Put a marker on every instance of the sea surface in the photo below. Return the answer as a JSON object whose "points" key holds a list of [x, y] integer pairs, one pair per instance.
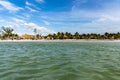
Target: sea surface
{"points": [[59, 61]]}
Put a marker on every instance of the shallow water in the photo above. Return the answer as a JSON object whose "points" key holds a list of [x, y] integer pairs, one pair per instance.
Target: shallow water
{"points": [[59, 61]]}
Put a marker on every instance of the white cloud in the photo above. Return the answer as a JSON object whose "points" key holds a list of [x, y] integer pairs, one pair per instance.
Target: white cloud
{"points": [[26, 16], [29, 4], [30, 7], [18, 20], [12, 26], [46, 22], [78, 2], [40, 1], [31, 10], [44, 17], [107, 18], [9, 6], [104, 19], [111, 17], [15, 23], [39, 28], [2, 20]]}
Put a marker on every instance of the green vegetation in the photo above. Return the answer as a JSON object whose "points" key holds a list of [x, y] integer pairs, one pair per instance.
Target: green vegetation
{"points": [[7, 33], [67, 35]]}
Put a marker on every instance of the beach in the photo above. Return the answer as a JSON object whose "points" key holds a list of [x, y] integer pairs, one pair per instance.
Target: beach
{"points": [[67, 40]]}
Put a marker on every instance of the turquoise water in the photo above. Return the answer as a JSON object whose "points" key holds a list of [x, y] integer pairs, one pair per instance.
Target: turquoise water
{"points": [[59, 61]]}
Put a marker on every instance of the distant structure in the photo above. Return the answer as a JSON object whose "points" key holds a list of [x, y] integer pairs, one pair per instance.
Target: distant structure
{"points": [[35, 32]]}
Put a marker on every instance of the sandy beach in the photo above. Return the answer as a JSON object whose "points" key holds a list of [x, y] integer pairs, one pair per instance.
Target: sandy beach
{"points": [[68, 40]]}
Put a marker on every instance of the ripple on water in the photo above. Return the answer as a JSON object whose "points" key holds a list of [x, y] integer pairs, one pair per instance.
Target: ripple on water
{"points": [[59, 61]]}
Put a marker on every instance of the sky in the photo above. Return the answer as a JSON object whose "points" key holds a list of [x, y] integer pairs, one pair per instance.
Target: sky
{"points": [[52, 16]]}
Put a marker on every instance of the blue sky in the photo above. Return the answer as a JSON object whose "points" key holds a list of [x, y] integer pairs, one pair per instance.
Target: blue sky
{"points": [[51, 16]]}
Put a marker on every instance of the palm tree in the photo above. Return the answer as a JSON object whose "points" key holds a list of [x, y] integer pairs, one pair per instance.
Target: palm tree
{"points": [[6, 32], [54, 36], [106, 35], [68, 35], [77, 35]]}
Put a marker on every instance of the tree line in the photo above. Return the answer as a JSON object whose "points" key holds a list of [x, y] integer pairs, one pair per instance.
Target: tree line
{"points": [[68, 35], [7, 33]]}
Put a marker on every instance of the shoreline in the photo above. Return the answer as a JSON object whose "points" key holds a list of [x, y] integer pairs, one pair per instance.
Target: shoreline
{"points": [[68, 40]]}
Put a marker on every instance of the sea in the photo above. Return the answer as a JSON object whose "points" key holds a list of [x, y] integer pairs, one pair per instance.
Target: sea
{"points": [[59, 61]]}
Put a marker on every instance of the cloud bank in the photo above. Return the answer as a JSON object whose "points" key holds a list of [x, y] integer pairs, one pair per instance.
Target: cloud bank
{"points": [[9, 6], [43, 30]]}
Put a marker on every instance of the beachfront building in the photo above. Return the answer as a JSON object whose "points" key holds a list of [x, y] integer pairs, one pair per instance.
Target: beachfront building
{"points": [[39, 37], [31, 37], [27, 36]]}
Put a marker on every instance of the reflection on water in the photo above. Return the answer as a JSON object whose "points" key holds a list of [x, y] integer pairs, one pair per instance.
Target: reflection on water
{"points": [[59, 61]]}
